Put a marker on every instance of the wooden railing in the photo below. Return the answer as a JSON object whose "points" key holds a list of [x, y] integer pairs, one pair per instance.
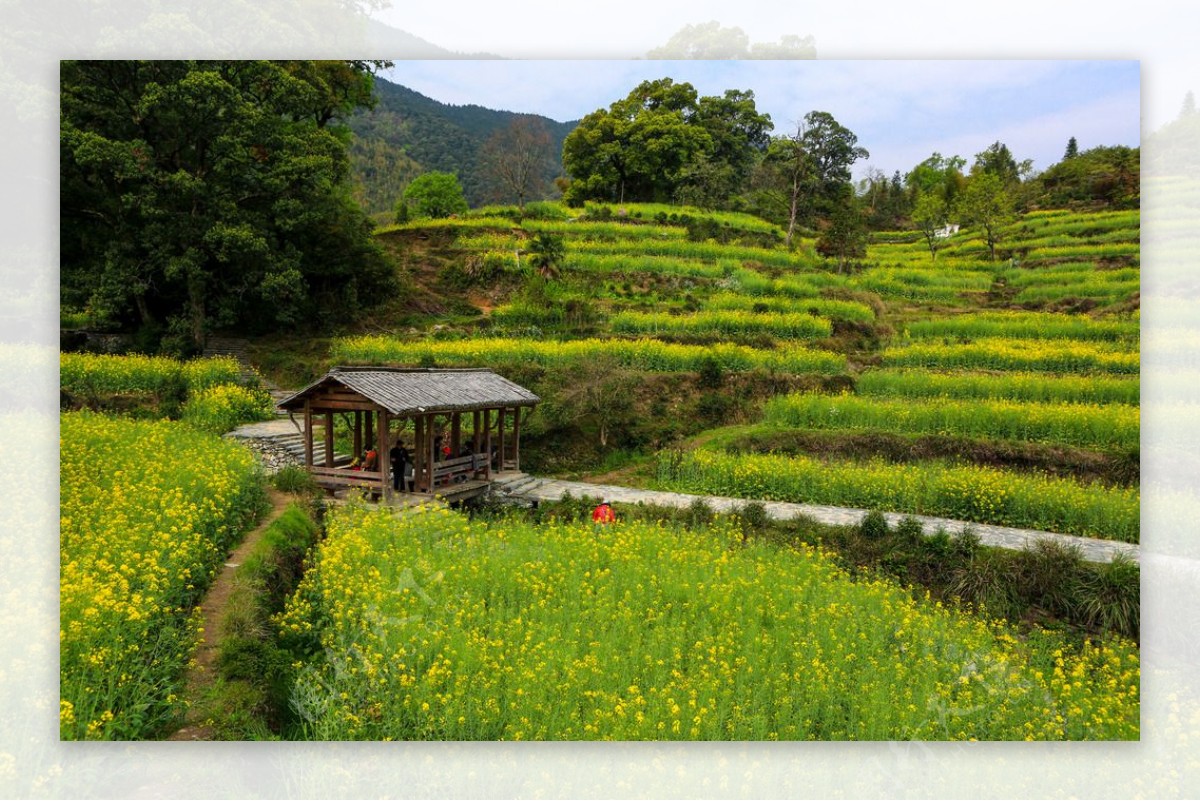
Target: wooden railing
{"points": [[448, 471], [331, 477]]}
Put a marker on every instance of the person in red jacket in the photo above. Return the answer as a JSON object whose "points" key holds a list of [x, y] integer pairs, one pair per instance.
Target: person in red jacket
{"points": [[603, 513]]}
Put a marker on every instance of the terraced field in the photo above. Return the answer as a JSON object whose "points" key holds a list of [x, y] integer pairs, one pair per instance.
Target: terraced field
{"points": [[1037, 351]]}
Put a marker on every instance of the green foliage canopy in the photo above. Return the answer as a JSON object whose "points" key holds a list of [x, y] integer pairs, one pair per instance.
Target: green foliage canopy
{"points": [[196, 195], [435, 194], [662, 138]]}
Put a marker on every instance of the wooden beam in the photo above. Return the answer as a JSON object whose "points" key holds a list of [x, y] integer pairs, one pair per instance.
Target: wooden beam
{"points": [[344, 406], [370, 434], [455, 434]]}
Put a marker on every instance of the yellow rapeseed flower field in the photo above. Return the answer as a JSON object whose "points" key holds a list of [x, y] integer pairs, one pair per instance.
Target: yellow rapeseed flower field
{"points": [[147, 511], [430, 625]]}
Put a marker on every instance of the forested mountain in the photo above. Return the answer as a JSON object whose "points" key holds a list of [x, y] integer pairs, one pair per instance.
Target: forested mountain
{"points": [[407, 134]]}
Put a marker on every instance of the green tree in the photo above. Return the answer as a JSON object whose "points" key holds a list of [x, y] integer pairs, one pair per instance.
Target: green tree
{"points": [[704, 40], [998, 160], [1072, 149], [1100, 176], [435, 194], [803, 175], [938, 175], [203, 194], [930, 215], [986, 203], [1189, 105], [661, 142], [844, 233], [637, 148], [710, 40]]}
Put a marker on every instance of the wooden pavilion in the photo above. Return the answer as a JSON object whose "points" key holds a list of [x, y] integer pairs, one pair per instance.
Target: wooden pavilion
{"points": [[378, 405]]}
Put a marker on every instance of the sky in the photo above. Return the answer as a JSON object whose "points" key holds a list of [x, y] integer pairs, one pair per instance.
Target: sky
{"points": [[1153, 30], [902, 111]]}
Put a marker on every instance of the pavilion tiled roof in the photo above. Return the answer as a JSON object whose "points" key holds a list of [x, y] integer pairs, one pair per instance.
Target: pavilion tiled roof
{"points": [[406, 391]]}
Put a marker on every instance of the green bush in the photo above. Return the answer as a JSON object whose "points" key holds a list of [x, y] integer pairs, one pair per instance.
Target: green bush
{"points": [[753, 516], [986, 581], [1050, 575], [295, 479], [874, 526], [699, 513], [1109, 596]]}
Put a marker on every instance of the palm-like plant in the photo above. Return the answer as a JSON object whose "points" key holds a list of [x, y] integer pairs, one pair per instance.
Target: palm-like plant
{"points": [[546, 254]]}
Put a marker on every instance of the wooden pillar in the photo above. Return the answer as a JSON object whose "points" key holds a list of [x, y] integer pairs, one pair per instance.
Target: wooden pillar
{"points": [[418, 452], [487, 443], [358, 433], [385, 483], [429, 452], [500, 431], [308, 434], [475, 439], [329, 438], [516, 438], [455, 434], [370, 437]]}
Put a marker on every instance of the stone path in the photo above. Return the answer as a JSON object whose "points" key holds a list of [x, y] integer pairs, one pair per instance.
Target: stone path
{"points": [[520, 485]]}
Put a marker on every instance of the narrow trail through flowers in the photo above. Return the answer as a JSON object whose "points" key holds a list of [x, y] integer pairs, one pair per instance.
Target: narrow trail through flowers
{"points": [[201, 675]]}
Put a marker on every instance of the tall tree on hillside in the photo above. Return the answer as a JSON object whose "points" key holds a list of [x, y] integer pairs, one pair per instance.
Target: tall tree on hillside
{"points": [[938, 174], [930, 215], [986, 203], [516, 160], [1189, 105], [998, 160], [662, 142], [844, 232], [711, 40], [201, 194], [739, 136], [636, 149], [1072, 149], [885, 204], [802, 174]]}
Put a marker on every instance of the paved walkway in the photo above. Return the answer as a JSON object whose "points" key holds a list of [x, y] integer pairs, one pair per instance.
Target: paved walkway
{"points": [[532, 487]]}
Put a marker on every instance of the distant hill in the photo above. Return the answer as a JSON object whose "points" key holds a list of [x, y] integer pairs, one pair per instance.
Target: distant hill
{"points": [[384, 41], [408, 134]]}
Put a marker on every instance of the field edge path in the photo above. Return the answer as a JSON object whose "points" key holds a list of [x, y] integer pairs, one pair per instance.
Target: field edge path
{"points": [[201, 674]]}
